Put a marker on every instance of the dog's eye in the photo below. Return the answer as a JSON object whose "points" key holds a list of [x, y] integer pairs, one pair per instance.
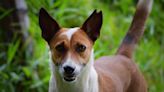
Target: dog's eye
{"points": [[60, 48], [80, 48]]}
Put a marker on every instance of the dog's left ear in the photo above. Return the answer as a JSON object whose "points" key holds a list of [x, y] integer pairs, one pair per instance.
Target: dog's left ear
{"points": [[92, 25]]}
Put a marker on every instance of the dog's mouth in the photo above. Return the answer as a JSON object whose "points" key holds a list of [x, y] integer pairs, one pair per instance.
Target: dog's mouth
{"points": [[69, 78]]}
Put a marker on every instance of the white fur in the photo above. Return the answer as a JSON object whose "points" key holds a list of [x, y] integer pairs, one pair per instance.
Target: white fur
{"points": [[70, 32], [70, 62], [87, 81]]}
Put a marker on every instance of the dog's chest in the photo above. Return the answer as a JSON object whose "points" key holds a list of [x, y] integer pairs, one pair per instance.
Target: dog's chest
{"points": [[80, 86], [71, 87], [83, 84]]}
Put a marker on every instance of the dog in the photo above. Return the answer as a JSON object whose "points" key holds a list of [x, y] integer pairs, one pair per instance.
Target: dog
{"points": [[73, 68]]}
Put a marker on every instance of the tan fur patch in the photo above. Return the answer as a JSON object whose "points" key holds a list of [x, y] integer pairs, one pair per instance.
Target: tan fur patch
{"points": [[79, 37]]}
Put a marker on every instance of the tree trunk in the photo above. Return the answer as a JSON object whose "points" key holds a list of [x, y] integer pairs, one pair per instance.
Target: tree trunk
{"points": [[13, 26]]}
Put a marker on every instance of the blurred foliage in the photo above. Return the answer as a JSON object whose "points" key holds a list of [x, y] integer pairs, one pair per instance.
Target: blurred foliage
{"points": [[34, 76]]}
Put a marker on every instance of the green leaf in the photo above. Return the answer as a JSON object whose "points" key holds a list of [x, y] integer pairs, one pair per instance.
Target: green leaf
{"points": [[27, 71], [13, 47]]}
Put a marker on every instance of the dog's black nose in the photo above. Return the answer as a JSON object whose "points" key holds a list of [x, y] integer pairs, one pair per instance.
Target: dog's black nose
{"points": [[69, 69]]}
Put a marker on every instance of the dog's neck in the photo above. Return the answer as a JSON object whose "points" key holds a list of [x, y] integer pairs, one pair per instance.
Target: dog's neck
{"points": [[87, 81]]}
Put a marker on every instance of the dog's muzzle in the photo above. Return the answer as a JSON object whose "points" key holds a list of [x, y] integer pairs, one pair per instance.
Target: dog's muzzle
{"points": [[69, 73]]}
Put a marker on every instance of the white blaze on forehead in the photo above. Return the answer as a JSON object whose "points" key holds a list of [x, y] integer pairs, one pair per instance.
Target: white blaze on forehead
{"points": [[70, 32]]}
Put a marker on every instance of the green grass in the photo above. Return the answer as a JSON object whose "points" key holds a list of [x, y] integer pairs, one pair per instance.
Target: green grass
{"points": [[117, 16]]}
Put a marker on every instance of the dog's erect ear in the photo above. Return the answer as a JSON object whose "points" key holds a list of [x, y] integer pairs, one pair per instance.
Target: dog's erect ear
{"points": [[48, 25], [92, 25]]}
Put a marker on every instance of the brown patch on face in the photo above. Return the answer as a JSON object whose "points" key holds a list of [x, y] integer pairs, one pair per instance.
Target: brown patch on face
{"points": [[59, 39], [80, 37], [70, 47]]}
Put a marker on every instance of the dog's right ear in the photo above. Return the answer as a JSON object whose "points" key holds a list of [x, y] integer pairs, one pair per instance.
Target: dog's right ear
{"points": [[48, 25]]}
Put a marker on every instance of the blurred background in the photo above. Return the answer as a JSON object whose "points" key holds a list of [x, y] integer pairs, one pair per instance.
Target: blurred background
{"points": [[24, 60]]}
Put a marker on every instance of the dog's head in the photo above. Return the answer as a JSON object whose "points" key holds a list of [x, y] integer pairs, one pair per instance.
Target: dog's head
{"points": [[70, 48]]}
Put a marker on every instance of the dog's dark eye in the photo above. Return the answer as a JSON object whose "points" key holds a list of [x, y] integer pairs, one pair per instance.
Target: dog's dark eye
{"points": [[60, 48], [80, 48]]}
